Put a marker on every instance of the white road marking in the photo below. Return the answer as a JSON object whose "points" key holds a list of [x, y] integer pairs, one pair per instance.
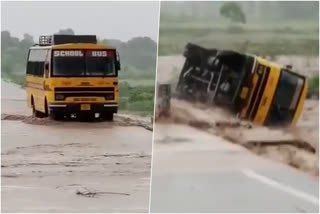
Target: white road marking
{"points": [[285, 188]]}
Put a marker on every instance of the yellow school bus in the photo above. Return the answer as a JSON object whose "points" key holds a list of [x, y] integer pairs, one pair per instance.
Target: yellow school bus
{"points": [[275, 95], [72, 76], [254, 88]]}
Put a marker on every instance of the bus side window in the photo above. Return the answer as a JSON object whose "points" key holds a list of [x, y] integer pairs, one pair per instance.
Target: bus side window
{"points": [[32, 68], [41, 69], [117, 63], [29, 67], [30, 63], [46, 70], [46, 64], [35, 64]]}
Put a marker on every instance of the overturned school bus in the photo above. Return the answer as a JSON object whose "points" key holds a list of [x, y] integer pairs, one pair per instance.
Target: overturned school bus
{"points": [[72, 75], [254, 88]]}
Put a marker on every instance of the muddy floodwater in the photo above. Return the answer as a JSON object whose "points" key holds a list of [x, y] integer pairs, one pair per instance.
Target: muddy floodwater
{"points": [[71, 166], [296, 146]]}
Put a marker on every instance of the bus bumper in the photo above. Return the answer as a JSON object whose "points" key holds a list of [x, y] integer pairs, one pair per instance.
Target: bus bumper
{"points": [[73, 108]]}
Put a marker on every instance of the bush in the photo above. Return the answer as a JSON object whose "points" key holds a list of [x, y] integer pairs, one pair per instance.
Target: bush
{"points": [[314, 83], [233, 11], [139, 98]]}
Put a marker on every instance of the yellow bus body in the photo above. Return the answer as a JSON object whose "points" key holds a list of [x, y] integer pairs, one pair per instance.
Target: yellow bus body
{"points": [[40, 90], [267, 93]]}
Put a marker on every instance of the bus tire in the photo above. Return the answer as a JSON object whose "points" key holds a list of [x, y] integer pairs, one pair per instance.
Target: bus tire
{"points": [[38, 114], [35, 113], [46, 110]]}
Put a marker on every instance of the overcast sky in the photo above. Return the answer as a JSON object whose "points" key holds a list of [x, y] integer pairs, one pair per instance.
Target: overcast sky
{"points": [[112, 20]]}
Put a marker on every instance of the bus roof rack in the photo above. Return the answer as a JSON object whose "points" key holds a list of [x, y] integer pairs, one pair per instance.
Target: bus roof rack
{"points": [[45, 40], [58, 39]]}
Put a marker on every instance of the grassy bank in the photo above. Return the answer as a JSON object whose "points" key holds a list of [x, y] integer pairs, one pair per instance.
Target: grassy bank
{"points": [[138, 99], [314, 85], [261, 39]]}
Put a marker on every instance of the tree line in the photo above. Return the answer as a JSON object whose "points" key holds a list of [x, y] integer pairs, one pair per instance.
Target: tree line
{"points": [[255, 11]]}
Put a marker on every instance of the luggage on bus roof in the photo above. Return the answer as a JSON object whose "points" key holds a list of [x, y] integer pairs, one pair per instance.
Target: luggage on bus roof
{"points": [[58, 39]]}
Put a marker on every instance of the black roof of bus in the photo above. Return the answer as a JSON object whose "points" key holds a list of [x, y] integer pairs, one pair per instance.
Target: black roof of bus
{"points": [[57, 41]]}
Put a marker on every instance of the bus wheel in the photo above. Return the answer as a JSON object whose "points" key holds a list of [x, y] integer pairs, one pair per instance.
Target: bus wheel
{"points": [[36, 113], [46, 110], [107, 116]]}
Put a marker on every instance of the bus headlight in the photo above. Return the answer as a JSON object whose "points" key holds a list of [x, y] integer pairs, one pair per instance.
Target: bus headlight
{"points": [[59, 97], [109, 97]]}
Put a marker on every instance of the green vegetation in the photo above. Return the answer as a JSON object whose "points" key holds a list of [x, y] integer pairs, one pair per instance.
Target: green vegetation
{"points": [[13, 56], [138, 55], [138, 66], [279, 40], [314, 84], [271, 28], [136, 99], [232, 11]]}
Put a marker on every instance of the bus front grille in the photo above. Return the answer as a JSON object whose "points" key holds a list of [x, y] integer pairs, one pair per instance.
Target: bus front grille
{"points": [[63, 93]]}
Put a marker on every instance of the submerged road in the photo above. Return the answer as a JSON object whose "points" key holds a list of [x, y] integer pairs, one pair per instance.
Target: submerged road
{"points": [[197, 172], [71, 166]]}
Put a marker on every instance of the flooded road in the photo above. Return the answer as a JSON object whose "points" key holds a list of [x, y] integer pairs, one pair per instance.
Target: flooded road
{"points": [[72, 166]]}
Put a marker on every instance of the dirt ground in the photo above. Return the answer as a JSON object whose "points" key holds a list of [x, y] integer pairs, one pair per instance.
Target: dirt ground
{"points": [[297, 147], [70, 166]]}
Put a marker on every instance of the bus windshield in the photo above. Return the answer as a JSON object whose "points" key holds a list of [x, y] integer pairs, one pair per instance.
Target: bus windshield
{"points": [[99, 64], [289, 86], [80, 63]]}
